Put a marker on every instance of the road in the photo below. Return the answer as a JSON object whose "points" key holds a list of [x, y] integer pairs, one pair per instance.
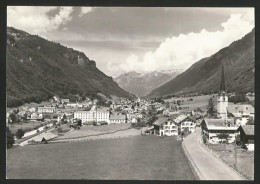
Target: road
{"points": [[208, 167]]}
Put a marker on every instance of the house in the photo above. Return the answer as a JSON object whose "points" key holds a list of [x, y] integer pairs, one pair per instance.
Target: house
{"points": [[241, 120], [32, 109], [134, 120], [65, 100], [164, 126], [212, 128], [247, 134], [46, 109], [241, 110], [117, 118], [72, 105], [35, 117], [188, 124]]}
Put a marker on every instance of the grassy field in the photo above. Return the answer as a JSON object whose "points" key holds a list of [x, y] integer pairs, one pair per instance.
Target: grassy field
{"points": [[198, 101], [245, 160], [94, 130], [141, 157], [24, 126]]}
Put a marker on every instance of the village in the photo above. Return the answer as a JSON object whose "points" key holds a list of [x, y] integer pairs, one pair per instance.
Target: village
{"points": [[214, 120]]}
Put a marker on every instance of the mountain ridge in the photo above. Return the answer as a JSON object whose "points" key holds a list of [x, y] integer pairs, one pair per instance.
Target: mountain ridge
{"points": [[204, 75], [37, 69], [141, 84]]}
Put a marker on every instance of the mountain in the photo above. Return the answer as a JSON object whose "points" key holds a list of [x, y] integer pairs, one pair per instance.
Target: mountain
{"points": [[37, 69], [238, 60], [141, 84]]}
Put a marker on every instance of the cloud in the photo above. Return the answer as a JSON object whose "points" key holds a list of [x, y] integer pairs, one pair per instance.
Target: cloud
{"points": [[35, 19], [85, 10], [180, 52]]}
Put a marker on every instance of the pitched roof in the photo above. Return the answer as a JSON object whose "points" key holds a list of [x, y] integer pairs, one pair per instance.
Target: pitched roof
{"points": [[218, 123], [47, 136], [248, 129], [235, 109], [160, 120]]}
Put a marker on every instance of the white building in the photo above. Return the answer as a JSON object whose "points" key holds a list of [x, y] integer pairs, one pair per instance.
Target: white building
{"points": [[95, 114], [241, 110], [46, 109], [211, 128], [188, 124], [165, 126]]}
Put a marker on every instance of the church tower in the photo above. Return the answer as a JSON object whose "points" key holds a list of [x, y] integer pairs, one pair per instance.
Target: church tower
{"points": [[222, 100]]}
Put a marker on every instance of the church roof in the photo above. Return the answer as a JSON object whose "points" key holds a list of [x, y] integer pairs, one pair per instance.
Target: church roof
{"points": [[222, 82]]}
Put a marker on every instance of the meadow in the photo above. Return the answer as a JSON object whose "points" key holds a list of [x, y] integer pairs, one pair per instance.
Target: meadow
{"points": [[197, 102], [245, 159], [95, 130], [137, 158]]}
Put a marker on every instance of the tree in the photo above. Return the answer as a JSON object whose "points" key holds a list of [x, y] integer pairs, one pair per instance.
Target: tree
{"points": [[151, 120], [10, 138], [223, 136], [59, 130], [211, 108], [238, 141], [20, 133], [13, 118], [204, 139], [240, 97]]}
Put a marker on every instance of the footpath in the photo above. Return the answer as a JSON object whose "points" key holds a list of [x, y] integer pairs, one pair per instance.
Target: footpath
{"points": [[207, 166]]}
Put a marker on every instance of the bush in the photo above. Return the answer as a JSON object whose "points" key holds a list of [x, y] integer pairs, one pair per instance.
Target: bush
{"points": [[10, 138], [20, 133]]}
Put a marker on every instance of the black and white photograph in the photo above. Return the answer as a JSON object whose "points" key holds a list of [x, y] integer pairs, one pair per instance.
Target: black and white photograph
{"points": [[130, 93]]}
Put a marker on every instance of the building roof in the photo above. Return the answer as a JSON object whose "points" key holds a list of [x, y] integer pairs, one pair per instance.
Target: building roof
{"points": [[161, 120], [248, 129], [180, 118], [47, 136], [236, 108], [117, 117], [217, 124]]}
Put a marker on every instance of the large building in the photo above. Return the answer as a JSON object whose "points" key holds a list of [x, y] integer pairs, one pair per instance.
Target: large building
{"points": [[95, 114]]}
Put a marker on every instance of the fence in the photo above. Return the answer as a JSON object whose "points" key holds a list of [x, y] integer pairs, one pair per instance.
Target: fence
{"points": [[93, 138]]}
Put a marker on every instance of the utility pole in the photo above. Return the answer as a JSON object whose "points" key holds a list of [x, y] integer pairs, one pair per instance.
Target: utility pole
{"points": [[235, 148]]}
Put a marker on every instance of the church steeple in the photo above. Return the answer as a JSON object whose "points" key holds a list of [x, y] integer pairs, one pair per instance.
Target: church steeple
{"points": [[222, 82]]}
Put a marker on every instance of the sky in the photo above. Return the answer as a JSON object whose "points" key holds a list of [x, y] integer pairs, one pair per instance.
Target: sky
{"points": [[141, 39]]}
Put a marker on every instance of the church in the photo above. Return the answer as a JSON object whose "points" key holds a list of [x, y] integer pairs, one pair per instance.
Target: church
{"points": [[222, 99], [212, 127]]}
